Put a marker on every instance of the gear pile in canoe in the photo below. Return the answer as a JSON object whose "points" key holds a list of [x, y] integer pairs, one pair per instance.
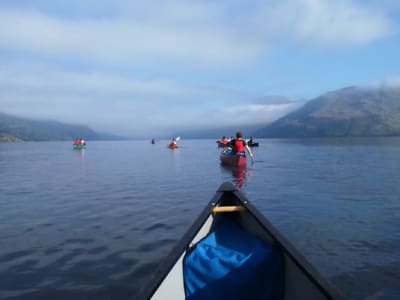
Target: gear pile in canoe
{"points": [[231, 159]]}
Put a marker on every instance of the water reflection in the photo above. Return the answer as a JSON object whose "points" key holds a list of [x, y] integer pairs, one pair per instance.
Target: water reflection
{"points": [[80, 161], [239, 174], [80, 153]]}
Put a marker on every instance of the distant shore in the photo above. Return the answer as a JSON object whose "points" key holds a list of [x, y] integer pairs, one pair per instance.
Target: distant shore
{"points": [[9, 139]]}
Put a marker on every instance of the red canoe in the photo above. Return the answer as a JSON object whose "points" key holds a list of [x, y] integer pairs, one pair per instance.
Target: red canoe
{"points": [[232, 159]]}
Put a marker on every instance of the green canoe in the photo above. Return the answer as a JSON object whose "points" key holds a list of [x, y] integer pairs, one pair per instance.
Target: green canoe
{"points": [[79, 147]]}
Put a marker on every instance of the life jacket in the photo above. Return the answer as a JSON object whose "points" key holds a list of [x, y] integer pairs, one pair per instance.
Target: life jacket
{"points": [[238, 146]]}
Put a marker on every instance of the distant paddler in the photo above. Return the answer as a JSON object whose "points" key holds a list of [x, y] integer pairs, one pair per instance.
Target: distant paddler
{"points": [[79, 144], [222, 142], [173, 144]]}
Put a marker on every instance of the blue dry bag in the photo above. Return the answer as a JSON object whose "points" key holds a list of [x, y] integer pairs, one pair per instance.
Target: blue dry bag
{"points": [[230, 263]]}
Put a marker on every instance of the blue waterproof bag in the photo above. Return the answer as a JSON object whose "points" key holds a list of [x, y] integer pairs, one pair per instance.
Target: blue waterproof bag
{"points": [[230, 263]]}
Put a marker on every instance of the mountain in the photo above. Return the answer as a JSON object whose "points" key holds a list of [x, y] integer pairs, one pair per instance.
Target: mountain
{"points": [[348, 112], [14, 128]]}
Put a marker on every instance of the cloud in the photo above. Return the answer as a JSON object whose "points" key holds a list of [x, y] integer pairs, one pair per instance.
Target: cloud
{"points": [[84, 82], [109, 101], [127, 105], [390, 82], [341, 22], [120, 38], [188, 32], [273, 100], [139, 68], [393, 81], [259, 113], [324, 23]]}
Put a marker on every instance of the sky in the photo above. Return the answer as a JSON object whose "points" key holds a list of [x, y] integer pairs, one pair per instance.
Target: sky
{"points": [[150, 68]]}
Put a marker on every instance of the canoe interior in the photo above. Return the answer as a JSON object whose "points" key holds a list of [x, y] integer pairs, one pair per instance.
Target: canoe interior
{"points": [[301, 280]]}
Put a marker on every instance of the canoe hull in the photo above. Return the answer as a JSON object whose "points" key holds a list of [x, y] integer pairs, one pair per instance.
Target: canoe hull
{"points": [[252, 144], [301, 281], [223, 145], [232, 159], [79, 147]]}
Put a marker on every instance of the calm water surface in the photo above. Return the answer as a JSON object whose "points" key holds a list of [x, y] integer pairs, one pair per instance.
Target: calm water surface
{"points": [[94, 224]]}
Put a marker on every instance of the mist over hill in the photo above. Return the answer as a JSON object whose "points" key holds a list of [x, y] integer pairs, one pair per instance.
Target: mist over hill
{"points": [[272, 107], [14, 128], [218, 132], [348, 112]]}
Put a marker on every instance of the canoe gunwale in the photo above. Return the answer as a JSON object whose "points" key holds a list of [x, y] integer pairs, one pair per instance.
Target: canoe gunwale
{"points": [[290, 251], [182, 246], [222, 197]]}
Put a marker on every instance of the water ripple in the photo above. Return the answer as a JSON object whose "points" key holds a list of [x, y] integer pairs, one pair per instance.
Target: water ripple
{"points": [[96, 224]]}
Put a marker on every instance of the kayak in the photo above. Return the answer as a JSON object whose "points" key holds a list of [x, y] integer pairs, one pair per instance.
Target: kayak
{"points": [[79, 147], [172, 146], [233, 252], [230, 159]]}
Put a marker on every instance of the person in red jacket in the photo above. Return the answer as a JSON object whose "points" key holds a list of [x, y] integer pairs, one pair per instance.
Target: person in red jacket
{"points": [[173, 144], [239, 146], [223, 140]]}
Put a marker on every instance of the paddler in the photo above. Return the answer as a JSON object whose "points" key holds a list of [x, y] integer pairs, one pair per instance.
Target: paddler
{"points": [[239, 145], [173, 144]]}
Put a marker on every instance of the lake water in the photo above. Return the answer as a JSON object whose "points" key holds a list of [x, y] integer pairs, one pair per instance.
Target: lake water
{"points": [[94, 224]]}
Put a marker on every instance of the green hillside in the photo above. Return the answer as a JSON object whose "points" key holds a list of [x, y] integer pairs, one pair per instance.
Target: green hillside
{"points": [[14, 128]]}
